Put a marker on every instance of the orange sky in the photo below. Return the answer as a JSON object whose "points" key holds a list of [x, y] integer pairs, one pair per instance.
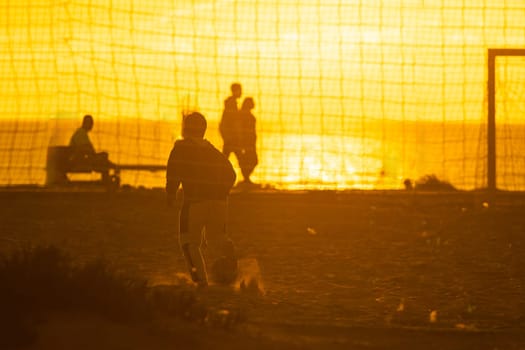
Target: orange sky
{"points": [[317, 67], [401, 60]]}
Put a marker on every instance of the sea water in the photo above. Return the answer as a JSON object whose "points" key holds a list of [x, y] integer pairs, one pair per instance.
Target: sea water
{"points": [[372, 156]]}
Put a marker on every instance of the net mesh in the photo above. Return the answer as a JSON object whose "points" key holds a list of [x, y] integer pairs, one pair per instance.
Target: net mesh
{"points": [[348, 94]]}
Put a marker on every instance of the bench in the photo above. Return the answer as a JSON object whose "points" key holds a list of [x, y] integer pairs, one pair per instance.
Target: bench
{"points": [[137, 167], [60, 163]]}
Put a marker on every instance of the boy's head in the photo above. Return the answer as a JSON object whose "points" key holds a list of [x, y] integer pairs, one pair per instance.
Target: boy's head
{"points": [[194, 125]]}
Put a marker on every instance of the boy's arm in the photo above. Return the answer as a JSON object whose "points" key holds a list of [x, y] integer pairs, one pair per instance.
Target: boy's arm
{"points": [[171, 192], [229, 174], [172, 178]]}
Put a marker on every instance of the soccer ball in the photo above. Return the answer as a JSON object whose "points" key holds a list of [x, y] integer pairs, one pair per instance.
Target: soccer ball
{"points": [[224, 270]]}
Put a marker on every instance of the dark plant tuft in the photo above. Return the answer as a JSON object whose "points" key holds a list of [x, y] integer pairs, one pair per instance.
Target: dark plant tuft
{"points": [[37, 280], [432, 183]]}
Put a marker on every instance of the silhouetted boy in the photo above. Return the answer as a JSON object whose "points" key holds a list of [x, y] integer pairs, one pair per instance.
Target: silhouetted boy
{"points": [[206, 177], [229, 125], [249, 159]]}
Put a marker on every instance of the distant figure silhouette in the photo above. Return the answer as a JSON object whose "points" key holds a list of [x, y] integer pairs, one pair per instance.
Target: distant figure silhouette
{"points": [[83, 152], [249, 159], [229, 125], [206, 177]]}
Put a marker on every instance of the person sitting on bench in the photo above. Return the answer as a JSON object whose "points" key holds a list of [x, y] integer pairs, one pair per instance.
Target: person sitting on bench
{"points": [[83, 153]]}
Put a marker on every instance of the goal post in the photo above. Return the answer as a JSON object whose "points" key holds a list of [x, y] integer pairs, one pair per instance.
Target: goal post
{"points": [[493, 54]]}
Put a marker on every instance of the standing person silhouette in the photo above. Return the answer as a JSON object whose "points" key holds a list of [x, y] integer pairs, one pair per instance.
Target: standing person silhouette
{"points": [[249, 159], [206, 177], [229, 125]]}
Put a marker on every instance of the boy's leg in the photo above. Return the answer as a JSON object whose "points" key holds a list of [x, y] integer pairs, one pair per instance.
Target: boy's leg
{"points": [[220, 246], [192, 218]]}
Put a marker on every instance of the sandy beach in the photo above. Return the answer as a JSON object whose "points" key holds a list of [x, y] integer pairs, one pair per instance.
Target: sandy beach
{"points": [[338, 270]]}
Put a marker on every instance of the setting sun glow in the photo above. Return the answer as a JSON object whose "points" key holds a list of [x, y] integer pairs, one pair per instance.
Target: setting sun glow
{"points": [[348, 94]]}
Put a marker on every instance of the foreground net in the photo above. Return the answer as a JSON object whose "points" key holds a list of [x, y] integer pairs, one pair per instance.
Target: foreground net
{"points": [[348, 94]]}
